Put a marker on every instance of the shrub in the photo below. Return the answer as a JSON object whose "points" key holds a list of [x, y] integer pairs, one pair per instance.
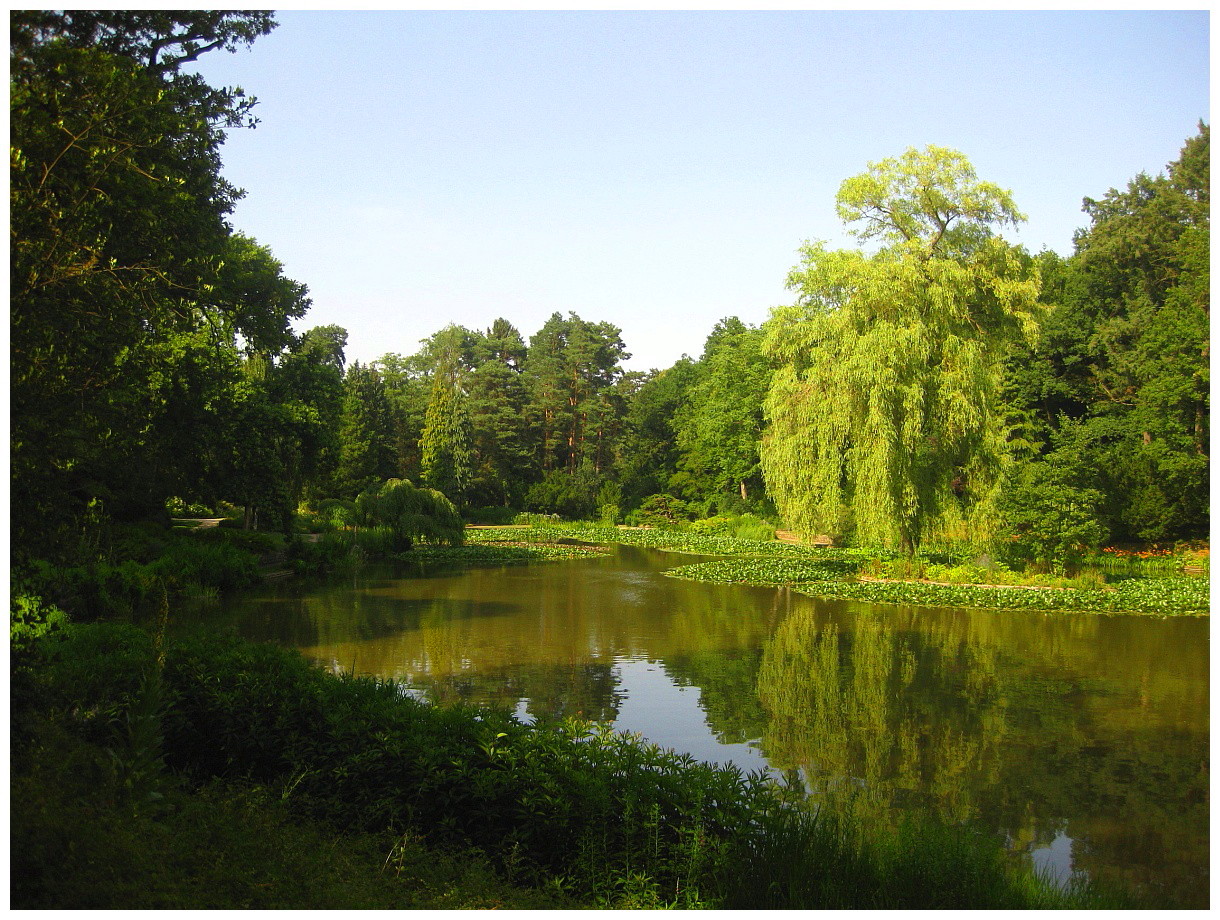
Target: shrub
{"points": [[31, 619], [210, 562], [1051, 523], [410, 514], [620, 821], [94, 591], [332, 550], [180, 508], [534, 519], [661, 510], [572, 496]]}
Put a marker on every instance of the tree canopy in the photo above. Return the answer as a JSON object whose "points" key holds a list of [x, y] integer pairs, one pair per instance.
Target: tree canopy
{"points": [[882, 411]]}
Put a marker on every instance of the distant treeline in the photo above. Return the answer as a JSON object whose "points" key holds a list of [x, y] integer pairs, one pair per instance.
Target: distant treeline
{"points": [[152, 356]]}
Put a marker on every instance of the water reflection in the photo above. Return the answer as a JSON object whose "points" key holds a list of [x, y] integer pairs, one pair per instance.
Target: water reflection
{"points": [[1082, 739]]}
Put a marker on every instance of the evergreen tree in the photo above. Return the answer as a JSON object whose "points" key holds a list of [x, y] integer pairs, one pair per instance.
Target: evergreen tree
{"points": [[570, 369], [366, 433], [497, 401]]}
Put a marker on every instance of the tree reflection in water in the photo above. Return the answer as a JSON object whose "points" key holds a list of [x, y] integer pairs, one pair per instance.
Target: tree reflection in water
{"points": [[1036, 728]]}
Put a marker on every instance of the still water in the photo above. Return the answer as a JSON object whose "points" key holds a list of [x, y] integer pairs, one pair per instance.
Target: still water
{"points": [[1083, 739]]}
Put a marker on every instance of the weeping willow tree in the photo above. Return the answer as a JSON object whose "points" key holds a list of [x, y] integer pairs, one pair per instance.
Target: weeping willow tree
{"points": [[883, 415], [412, 514]]}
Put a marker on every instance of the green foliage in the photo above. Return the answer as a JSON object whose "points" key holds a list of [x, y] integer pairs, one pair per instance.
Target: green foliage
{"points": [[331, 551], [882, 410], [366, 435], [1116, 388], [660, 510], [496, 549], [125, 272], [1159, 596], [211, 562], [31, 619], [681, 540], [287, 761], [569, 495], [720, 425], [1052, 523], [446, 444], [179, 561], [533, 518], [570, 370], [769, 572], [497, 395], [830, 573], [225, 846], [738, 526], [496, 514], [648, 450], [410, 514]]}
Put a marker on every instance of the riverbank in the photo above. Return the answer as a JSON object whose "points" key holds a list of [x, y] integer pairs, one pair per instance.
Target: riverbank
{"points": [[840, 573], [296, 788]]}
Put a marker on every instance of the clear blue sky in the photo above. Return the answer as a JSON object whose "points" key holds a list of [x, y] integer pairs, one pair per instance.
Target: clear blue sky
{"points": [[658, 170]]}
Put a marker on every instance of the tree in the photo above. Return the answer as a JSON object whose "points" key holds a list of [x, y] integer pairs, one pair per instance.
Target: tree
{"points": [[497, 398], [411, 514], [446, 454], [1144, 264], [1118, 380], [720, 428], [408, 388], [119, 244], [309, 380], [366, 435], [647, 452], [883, 408], [570, 369]]}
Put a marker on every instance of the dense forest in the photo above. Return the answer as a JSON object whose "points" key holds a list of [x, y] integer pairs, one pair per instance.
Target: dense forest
{"points": [[944, 385]]}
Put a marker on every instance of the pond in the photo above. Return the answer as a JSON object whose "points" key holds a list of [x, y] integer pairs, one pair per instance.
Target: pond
{"points": [[1083, 739]]}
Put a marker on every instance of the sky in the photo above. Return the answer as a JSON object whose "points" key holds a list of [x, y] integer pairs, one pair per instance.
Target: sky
{"points": [[660, 170]]}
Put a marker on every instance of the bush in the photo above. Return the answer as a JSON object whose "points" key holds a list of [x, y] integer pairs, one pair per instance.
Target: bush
{"points": [[410, 514], [574, 496], [534, 519], [94, 591], [1051, 523], [332, 550], [660, 510], [184, 561], [179, 508], [31, 619], [622, 822], [210, 562]]}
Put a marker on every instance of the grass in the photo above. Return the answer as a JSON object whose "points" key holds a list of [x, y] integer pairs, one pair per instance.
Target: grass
{"points": [[269, 783]]}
